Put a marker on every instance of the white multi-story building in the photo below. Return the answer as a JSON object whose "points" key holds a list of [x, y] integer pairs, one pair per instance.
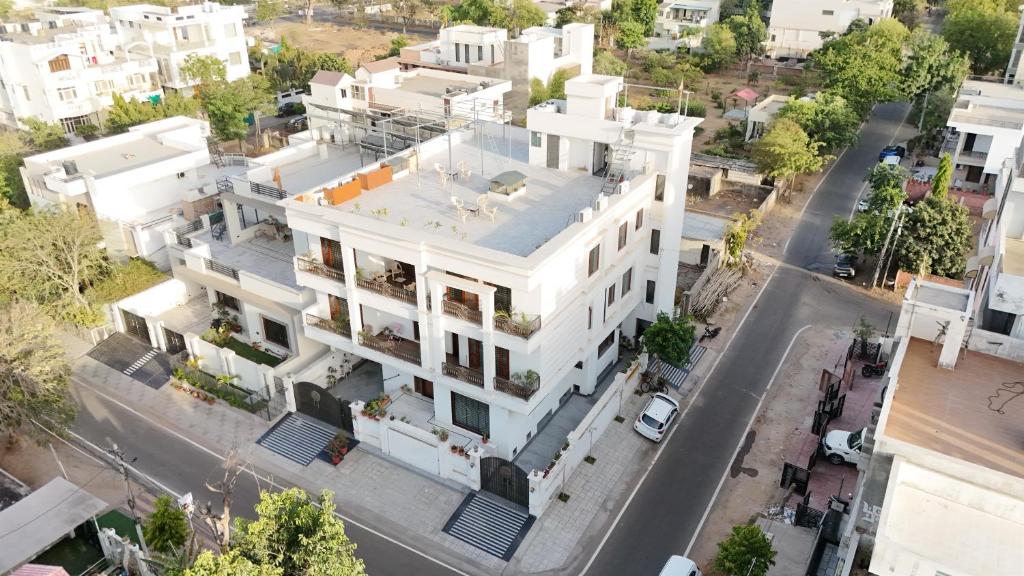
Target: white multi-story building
{"points": [[490, 271], [137, 184], [173, 34], [985, 125], [796, 27], [65, 66], [943, 489], [537, 52], [683, 23]]}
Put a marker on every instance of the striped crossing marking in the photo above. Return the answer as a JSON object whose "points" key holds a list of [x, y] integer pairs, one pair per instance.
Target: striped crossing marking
{"points": [[297, 439], [489, 525], [675, 375], [139, 363]]}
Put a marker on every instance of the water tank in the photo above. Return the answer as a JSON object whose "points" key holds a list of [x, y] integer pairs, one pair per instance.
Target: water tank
{"points": [[70, 167]]}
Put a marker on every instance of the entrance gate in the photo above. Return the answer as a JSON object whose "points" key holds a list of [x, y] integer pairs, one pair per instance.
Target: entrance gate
{"points": [[317, 402], [135, 326], [175, 342], [503, 478]]}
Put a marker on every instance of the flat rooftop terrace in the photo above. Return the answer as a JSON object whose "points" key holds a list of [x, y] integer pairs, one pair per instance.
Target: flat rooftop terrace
{"points": [[125, 156], [263, 257], [435, 86], [521, 225], [955, 412], [310, 170]]}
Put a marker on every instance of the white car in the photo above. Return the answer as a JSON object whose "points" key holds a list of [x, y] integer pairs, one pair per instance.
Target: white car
{"points": [[863, 205], [679, 566], [841, 446], [657, 416]]}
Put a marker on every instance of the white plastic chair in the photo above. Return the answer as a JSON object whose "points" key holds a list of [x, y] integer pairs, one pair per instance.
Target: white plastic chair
{"points": [[482, 205], [460, 208]]}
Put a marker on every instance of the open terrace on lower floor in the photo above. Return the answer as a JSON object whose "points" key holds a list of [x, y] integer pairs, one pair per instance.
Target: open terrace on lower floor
{"points": [[262, 256]]}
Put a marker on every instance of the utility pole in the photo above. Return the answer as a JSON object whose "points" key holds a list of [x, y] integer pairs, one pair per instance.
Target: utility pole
{"points": [[892, 253], [118, 455], [885, 247]]}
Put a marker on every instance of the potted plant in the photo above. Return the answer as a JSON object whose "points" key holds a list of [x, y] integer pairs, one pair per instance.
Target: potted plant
{"points": [[455, 449], [338, 447], [484, 438]]}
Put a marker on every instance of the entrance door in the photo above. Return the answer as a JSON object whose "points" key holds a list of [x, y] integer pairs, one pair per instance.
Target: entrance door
{"points": [[503, 478], [501, 362], [705, 254], [424, 387], [331, 251], [175, 341], [553, 151], [974, 173], [317, 402], [135, 326], [476, 349], [600, 157]]}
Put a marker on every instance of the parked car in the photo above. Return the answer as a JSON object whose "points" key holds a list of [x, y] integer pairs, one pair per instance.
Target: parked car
{"points": [[679, 566], [290, 109], [841, 446], [862, 205], [299, 123], [845, 266], [898, 151], [656, 417]]}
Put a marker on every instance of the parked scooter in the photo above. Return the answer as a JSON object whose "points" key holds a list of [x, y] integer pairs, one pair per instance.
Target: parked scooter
{"points": [[871, 370], [710, 332]]}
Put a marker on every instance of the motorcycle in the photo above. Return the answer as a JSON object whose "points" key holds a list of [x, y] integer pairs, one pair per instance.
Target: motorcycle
{"points": [[871, 370], [710, 332]]}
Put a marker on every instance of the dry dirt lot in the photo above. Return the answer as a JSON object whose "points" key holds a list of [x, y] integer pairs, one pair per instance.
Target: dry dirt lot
{"points": [[357, 45]]}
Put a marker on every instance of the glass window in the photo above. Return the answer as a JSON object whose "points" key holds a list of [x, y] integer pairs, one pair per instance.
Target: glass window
{"points": [[639, 218], [535, 139], [595, 260], [275, 333], [67, 94], [479, 53], [457, 56], [627, 282], [228, 301], [471, 414], [649, 297], [611, 294], [655, 241], [659, 188], [590, 317], [606, 344], [623, 234]]}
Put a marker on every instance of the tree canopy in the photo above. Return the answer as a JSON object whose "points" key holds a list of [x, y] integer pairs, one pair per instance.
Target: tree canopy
{"points": [[719, 47], [229, 104], [936, 237], [204, 69], [670, 338], [984, 30], [749, 31], [931, 65], [827, 118], [786, 150], [124, 114], [747, 550], [630, 36], [291, 67], [943, 176], [166, 529], [865, 66], [866, 232]]}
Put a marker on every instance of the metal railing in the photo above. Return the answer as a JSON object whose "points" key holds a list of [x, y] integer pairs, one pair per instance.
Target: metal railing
{"points": [[269, 191], [464, 373], [514, 388], [388, 290], [460, 310], [219, 268], [973, 154], [336, 326], [225, 185], [321, 269], [181, 232], [517, 327], [408, 350]]}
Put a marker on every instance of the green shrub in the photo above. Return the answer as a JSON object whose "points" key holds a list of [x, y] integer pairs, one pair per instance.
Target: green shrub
{"points": [[123, 280], [88, 131]]}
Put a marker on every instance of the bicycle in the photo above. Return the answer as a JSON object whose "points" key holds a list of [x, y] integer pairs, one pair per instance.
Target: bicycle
{"points": [[648, 383]]}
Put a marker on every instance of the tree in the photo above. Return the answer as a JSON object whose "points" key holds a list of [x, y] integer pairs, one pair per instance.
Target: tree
{"points": [[746, 551], [298, 536], [230, 564], [669, 339], [749, 31], [166, 529], [292, 67], [931, 65], [520, 14], [786, 150], [45, 136], [630, 36], [907, 11], [220, 524], [645, 12], [229, 104], [538, 91], [308, 11], [407, 10], [864, 66], [827, 118], [736, 236], [479, 12], [984, 30], [204, 69], [33, 373], [887, 177], [12, 188], [867, 231], [556, 86], [606, 63], [579, 12], [174, 104], [124, 114], [397, 43], [936, 237], [719, 45], [267, 10], [943, 176]]}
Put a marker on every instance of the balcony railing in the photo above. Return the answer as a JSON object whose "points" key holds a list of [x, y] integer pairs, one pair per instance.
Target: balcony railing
{"points": [[389, 290], [341, 328], [517, 325], [269, 191], [460, 310], [464, 373], [408, 350], [321, 269], [181, 232], [515, 388], [222, 269]]}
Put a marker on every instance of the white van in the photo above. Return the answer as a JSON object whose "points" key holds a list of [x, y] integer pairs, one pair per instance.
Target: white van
{"points": [[680, 566]]}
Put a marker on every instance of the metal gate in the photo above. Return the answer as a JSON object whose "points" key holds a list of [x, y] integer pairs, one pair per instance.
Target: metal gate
{"points": [[317, 402], [503, 478], [135, 326], [175, 342]]}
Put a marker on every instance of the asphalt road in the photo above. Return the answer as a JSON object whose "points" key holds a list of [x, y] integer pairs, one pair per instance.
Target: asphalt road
{"points": [[668, 508], [182, 467]]}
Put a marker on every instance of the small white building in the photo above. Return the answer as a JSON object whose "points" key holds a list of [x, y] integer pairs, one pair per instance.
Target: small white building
{"points": [[65, 66], [137, 184], [681, 23], [761, 115], [173, 34], [985, 125], [796, 27]]}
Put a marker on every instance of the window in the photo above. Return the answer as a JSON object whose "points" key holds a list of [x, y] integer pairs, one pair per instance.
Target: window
{"points": [[344, 93], [535, 139], [103, 87], [659, 188], [230, 31], [137, 79], [655, 241], [639, 219], [479, 53], [275, 333], [623, 233], [827, 12], [611, 294], [649, 297], [60, 63], [471, 414], [590, 317], [457, 52], [595, 260], [235, 58], [67, 94], [492, 53], [606, 344], [228, 301], [627, 282], [24, 92]]}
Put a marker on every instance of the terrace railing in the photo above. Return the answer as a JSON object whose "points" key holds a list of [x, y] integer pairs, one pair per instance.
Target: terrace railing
{"points": [[516, 389], [221, 269], [269, 191], [520, 326], [389, 290], [470, 375], [408, 350], [321, 269], [462, 311], [336, 326]]}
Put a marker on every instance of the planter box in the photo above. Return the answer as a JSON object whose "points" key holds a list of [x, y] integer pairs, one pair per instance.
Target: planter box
{"points": [[343, 193], [375, 178]]}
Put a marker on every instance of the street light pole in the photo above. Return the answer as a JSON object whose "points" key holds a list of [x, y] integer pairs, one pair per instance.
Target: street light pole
{"points": [[118, 455]]}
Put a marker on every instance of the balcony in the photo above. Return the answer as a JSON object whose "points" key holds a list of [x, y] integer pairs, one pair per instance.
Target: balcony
{"points": [[519, 325], [469, 375], [338, 326], [389, 288], [392, 345], [520, 390], [972, 158], [463, 312], [321, 269], [222, 269]]}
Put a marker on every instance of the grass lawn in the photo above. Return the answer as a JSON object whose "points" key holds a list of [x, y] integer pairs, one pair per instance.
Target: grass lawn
{"points": [[250, 353]]}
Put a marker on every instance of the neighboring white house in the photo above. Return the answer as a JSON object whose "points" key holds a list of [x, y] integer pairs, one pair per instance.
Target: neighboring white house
{"points": [[682, 23], [986, 126], [761, 115], [64, 67], [537, 52], [489, 272], [797, 27], [173, 34], [137, 184], [943, 490]]}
